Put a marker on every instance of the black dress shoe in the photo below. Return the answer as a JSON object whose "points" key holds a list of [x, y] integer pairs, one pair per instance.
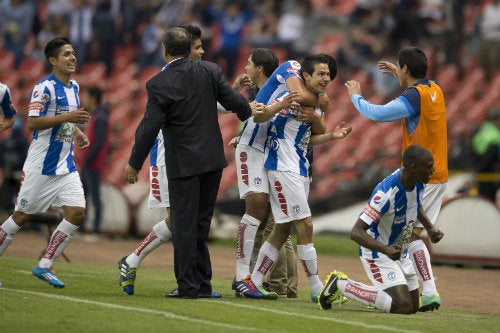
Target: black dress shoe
{"points": [[175, 294]]}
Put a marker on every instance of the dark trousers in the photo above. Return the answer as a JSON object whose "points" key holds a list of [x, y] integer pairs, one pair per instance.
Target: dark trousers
{"points": [[91, 181], [192, 202]]}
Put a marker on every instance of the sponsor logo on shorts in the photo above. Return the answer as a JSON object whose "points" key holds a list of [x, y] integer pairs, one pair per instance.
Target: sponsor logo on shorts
{"points": [[375, 270], [296, 209], [281, 197], [391, 276], [244, 167], [155, 183]]}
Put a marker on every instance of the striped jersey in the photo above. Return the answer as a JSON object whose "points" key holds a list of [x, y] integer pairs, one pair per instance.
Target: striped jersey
{"points": [[51, 150], [288, 142], [6, 101], [254, 134], [391, 207], [157, 152]]}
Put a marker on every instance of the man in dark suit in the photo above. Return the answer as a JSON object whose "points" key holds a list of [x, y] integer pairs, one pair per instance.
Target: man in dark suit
{"points": [[182, 102]]}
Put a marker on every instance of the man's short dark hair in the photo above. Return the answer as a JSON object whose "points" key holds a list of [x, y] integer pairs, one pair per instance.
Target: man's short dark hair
{"points": [[52, 48], [415, 60], [266, 58], [194, 30], [414, 155], [309, 61], [177, 41]]}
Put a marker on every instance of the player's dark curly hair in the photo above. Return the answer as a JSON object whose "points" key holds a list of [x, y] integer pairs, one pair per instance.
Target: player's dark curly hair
{"points": [[194, 30], [52, 48], [309, 61]]}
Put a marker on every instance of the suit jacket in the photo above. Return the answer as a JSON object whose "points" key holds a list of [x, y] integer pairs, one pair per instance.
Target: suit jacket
{"points": [[182, 102]]}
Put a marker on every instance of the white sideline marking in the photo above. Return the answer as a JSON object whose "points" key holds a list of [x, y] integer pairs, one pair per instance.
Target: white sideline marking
{"points": [[130, 308], [297, 314]]}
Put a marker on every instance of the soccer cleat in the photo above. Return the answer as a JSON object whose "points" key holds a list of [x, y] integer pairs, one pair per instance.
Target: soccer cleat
{"points": [[330, 292], [233, 287], [46, 275], [429, 303], [127, 276], [339, 301], [247, 288], [267, 294]]}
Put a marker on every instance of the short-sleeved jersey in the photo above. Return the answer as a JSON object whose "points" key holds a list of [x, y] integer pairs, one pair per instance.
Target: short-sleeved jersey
{"points": [[427, 127], [288, 142], [255, 134], [6, 101], [157, 152], [51, 150], [391, 207]]}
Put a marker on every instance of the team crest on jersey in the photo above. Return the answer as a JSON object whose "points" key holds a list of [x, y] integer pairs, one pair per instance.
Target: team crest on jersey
{"points": [[391, 276], [257, 181], [273, 144]]}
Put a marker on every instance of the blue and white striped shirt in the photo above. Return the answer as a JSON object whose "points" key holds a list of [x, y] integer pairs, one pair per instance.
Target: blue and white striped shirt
{"points": [[390, 208], [51, 150]]}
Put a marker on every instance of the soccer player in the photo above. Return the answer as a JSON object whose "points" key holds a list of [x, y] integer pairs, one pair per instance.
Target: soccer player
{"points": [[287, 170], [383, 231], [422, 108], [49, 176], [253, 183]]}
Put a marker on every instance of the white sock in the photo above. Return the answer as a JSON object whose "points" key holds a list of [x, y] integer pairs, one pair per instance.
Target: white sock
{"points": [[268, 255], [309, 259], [421, 259], [247, 228], [367, 295], [158, 235], [58, 241], [7, 231]]}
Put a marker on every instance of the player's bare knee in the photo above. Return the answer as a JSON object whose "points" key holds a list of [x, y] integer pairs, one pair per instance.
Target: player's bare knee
{"points": [[75, 216], [402, 306]]}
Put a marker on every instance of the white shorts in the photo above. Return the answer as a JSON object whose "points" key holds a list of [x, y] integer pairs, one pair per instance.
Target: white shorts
{"points": [[39, 192], [158, 187], [431, 201], [385, 273], [252, 176], [288, 196]]}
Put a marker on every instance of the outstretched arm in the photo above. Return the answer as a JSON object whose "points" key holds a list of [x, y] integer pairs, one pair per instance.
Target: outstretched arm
{"points": [[341, 131]]}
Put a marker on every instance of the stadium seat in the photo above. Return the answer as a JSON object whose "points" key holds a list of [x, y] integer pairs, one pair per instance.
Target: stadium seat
{"points": [[32, 69], [147, 73]]}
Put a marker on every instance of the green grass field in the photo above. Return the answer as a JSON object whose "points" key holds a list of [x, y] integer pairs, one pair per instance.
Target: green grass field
{"points": [[93, 302]]}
